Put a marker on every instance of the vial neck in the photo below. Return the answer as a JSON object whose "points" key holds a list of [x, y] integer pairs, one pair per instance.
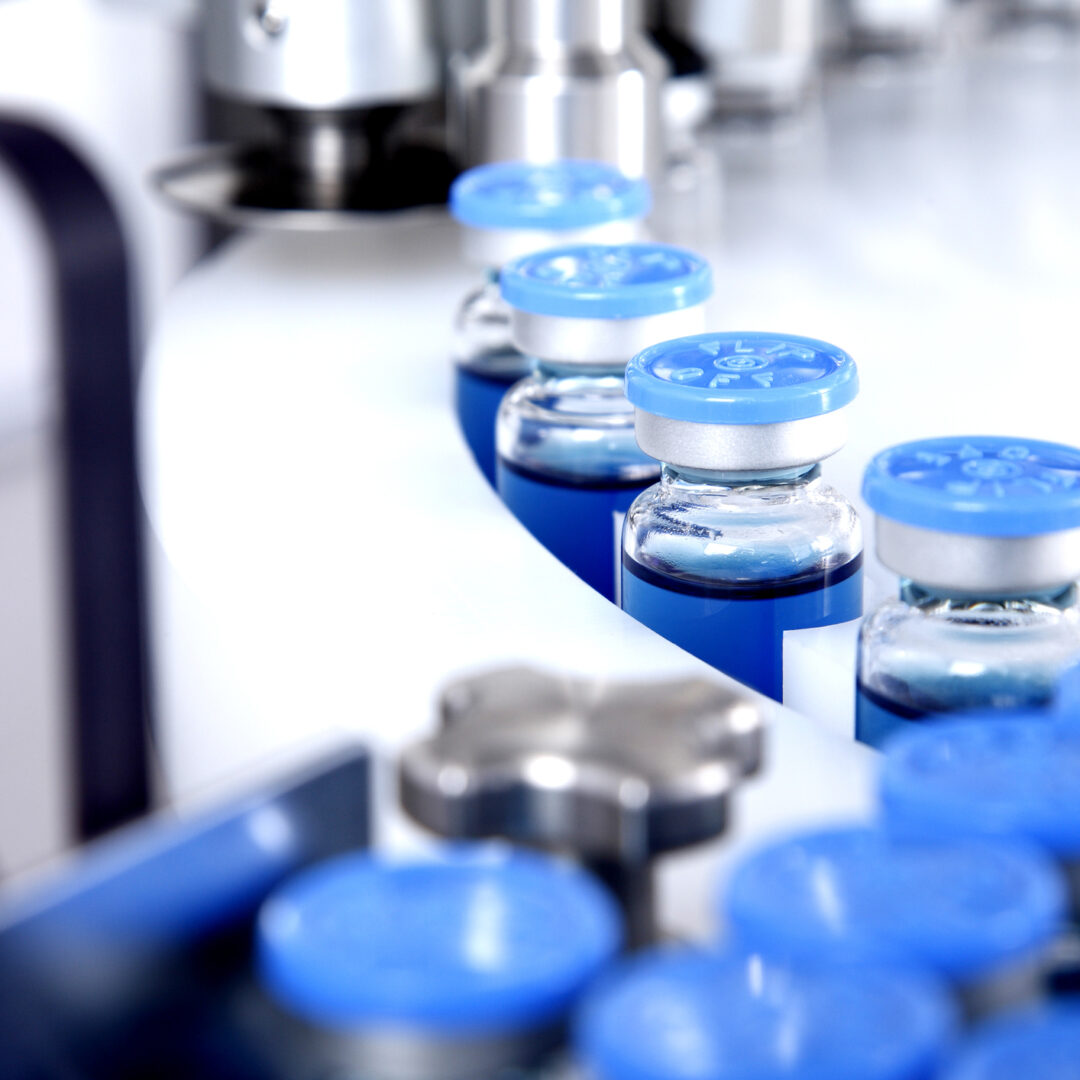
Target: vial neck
{"points": [[683, 477], [553, 369], [916, 595]]}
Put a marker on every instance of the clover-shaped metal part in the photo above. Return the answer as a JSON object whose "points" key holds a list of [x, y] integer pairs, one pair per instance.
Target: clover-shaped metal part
{"points": [[614, 773]]}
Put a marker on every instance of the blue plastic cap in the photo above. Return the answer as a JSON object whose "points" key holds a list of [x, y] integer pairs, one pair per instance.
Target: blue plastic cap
{"points": [[987, 776], [594, 281], [958, 908], [746, 378], [979, 485], [480, 942], [681, 1015], [558, 197], [1041, 1044]]}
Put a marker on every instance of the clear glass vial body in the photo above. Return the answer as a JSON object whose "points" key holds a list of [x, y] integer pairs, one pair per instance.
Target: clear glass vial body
{"points": [[569, 466], [487, 364], [930, 652], [572, 422], [724, 564]]}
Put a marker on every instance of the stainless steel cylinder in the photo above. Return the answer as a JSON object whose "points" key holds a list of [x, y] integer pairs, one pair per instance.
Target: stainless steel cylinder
{"points": [[562, 79], [320, 54]]}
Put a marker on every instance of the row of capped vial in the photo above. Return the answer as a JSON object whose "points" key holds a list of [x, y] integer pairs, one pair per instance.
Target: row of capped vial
{"points": [[685, 484]]}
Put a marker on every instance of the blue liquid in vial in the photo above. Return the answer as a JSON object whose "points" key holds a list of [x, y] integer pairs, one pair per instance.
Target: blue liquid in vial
{"points": [[579, 523], [477, 398], [740, 629], [878, 716]]}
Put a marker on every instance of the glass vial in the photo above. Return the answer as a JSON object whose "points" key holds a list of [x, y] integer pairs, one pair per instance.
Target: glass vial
{"points": [[508, 210], [568, 465], [984, 532], [741, 540]]}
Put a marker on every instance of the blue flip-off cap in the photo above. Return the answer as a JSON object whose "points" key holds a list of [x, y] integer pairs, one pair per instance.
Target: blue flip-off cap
{"points": [[682, 1015], [852, 896], [478, 942], [597, 281], [987, 776], [741, 378], [1039, 1043], [978, 485], [559, 197]]}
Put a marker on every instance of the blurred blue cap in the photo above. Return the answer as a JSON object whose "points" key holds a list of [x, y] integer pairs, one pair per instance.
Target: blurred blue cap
{"points": [[595, 281], [985, 775], [559, 197], [681, 1015], [851, 896], [480, 941]]}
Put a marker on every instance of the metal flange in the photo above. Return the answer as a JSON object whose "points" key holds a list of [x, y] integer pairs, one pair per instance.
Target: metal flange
{"points": [[615, 774]]}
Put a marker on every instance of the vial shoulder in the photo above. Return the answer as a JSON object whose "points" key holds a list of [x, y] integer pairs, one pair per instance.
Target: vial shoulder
{"points": [[942, 619], [588, 400], [483, 340], [578, 426], [755, 534], [943, 654]]}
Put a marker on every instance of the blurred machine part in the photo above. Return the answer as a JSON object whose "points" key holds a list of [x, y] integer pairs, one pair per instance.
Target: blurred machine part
{"points": [[335, 55], [764, 52], [687, 94], [461, 26], [332, 93], [614, 773], [133, 960], [859, 27], [92, 93], [1054, 10], [561, 79]]}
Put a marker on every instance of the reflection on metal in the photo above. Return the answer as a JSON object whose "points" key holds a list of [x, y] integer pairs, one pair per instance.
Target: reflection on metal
{"points": [[250, 187], [334, 54], [561, 79], [614, 773], [338, 92]]}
